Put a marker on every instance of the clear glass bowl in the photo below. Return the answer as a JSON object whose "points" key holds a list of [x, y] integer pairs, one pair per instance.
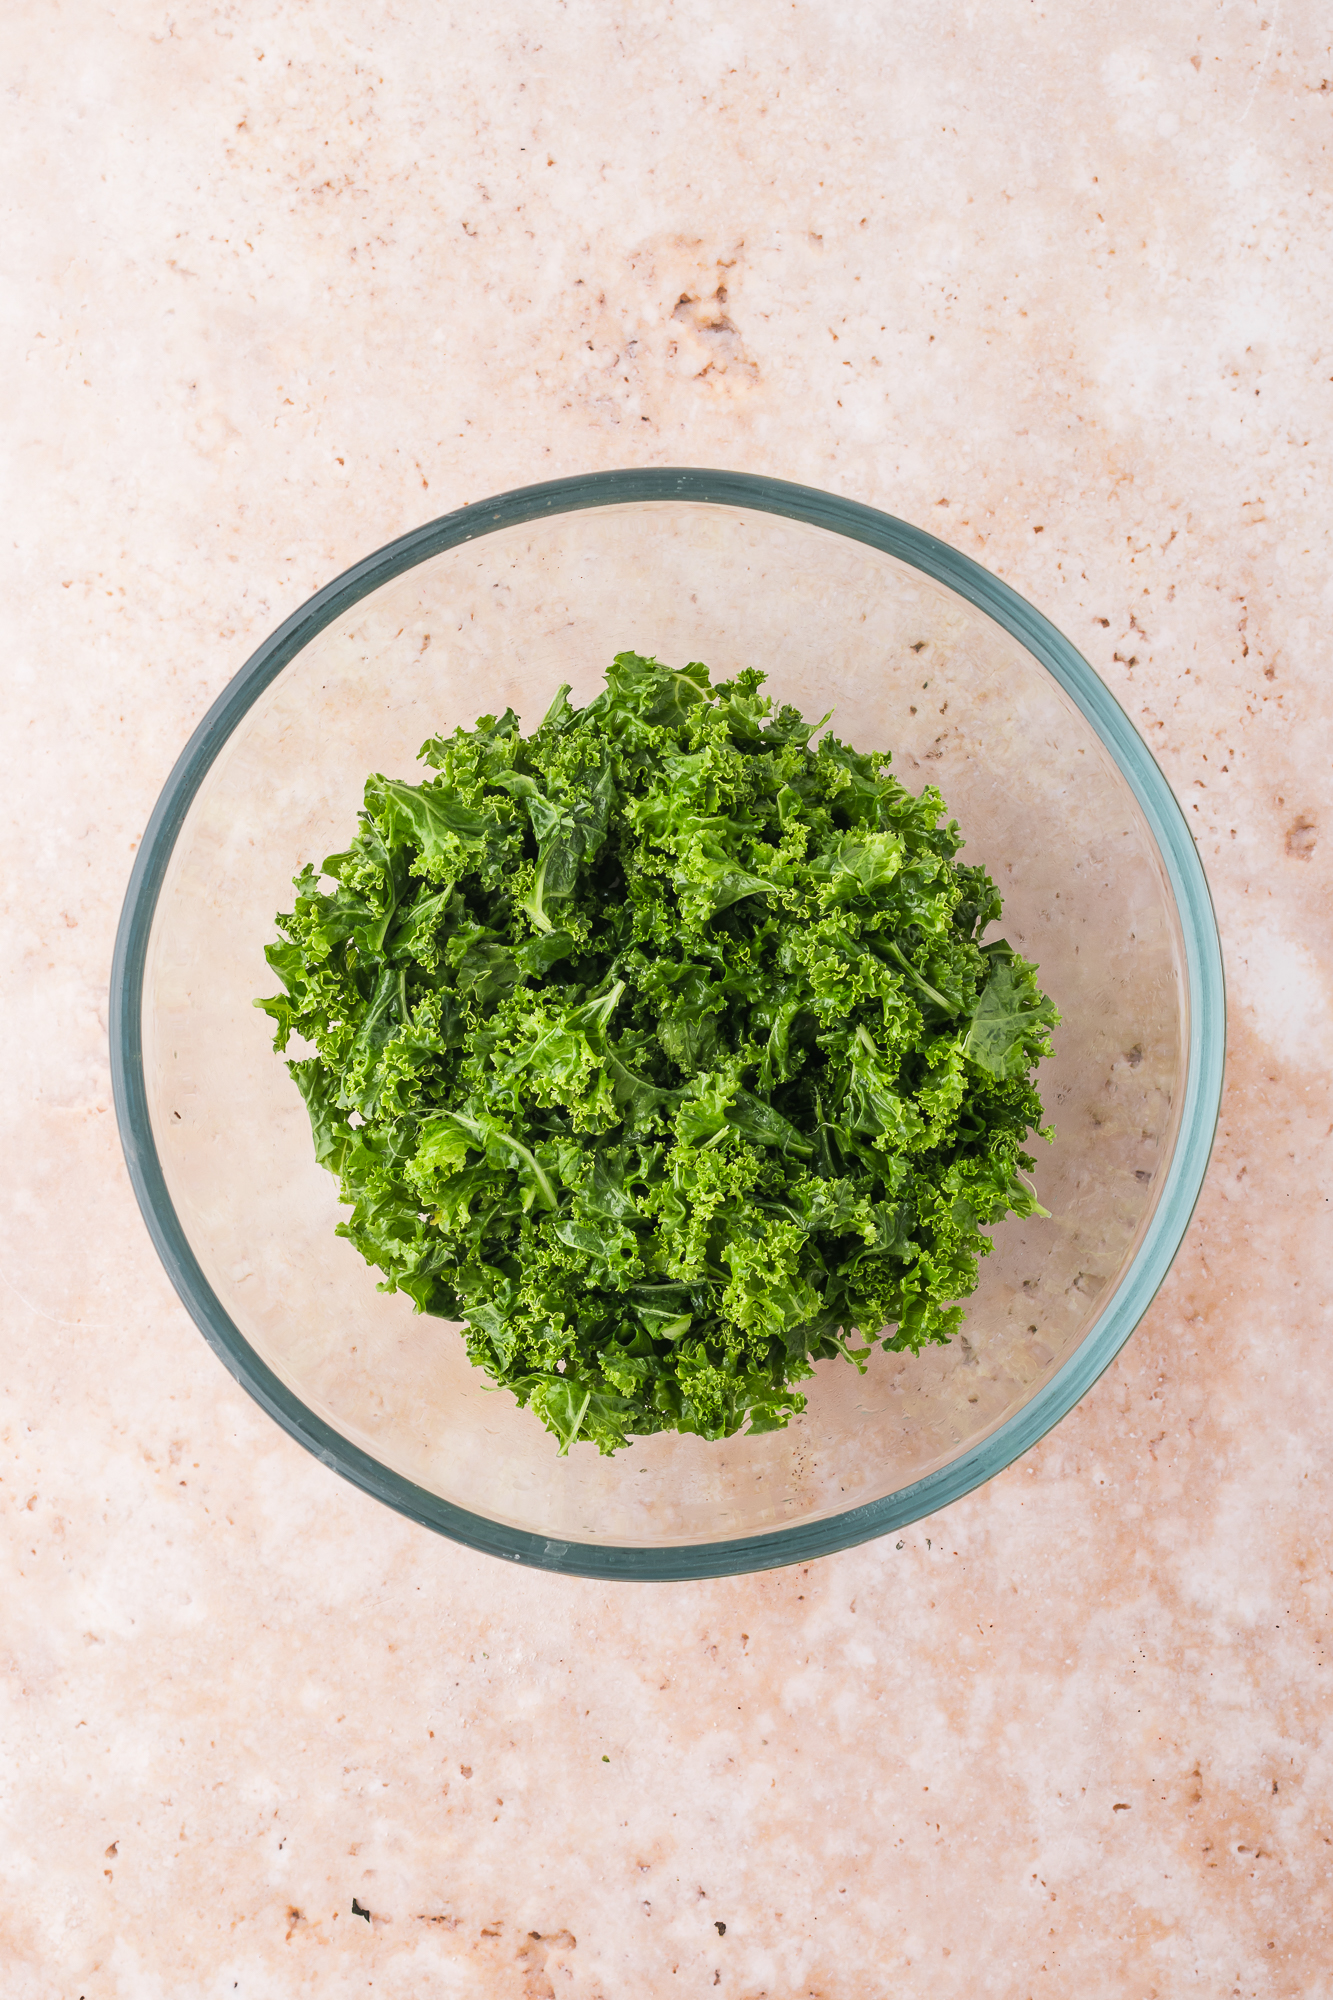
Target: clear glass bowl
{"points": [[916, 650]]}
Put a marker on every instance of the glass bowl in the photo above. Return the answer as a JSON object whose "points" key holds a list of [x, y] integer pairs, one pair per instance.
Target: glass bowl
{"points": [[916, 650]]}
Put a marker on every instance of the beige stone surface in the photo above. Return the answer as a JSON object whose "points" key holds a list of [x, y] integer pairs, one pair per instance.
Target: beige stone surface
{"points": [[284, 281]]}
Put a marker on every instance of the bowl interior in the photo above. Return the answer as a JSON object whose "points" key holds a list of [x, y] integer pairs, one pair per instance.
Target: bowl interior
{"points": [[905, 664]]}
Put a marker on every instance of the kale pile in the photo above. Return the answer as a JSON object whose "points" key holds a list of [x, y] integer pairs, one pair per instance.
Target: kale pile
{"points": [[662, 1050]]}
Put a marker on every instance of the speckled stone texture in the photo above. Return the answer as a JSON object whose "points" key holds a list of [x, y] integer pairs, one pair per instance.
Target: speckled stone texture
{"points": [[284, 282]]}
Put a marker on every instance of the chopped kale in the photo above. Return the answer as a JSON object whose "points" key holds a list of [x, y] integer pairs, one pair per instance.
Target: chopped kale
{"points": [[663, 1051]]}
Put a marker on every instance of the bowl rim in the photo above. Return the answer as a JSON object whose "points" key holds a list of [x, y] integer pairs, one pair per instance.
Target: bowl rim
{"points": [[1203, 977]]}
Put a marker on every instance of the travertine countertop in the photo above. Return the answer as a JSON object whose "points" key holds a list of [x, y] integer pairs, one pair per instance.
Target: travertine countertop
{"points": [[287, 280]]}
